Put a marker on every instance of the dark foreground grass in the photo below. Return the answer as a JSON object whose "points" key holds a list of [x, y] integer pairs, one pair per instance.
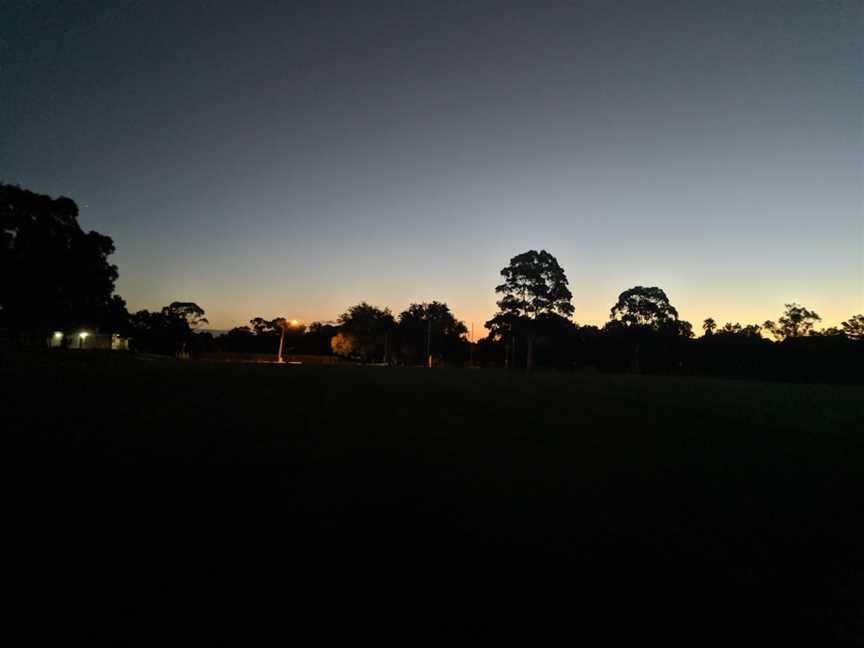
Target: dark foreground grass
{"points": [[199, 501]]}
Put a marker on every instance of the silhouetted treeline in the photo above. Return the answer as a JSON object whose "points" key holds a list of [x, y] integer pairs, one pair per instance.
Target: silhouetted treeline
{"points": [[54, 274], [168, 331], [564, 345], [57, 277], [645, 335], [262, 336], [363, 333], [627, 343]]}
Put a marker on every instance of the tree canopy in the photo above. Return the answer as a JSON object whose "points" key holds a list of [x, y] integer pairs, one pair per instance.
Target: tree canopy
{"points": [[429, 324], [62, 276], [57, 276], [854, 327], [365, 330], [169, 330], [796, 321], [534, 283], [190, 312], [643, 306], [535, 286]]}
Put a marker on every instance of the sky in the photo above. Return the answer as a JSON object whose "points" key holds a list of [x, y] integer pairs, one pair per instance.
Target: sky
{"points": [[292, 159]]}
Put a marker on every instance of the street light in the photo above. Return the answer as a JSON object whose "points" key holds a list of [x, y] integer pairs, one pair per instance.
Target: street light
{"points": [[429, 343], [81, 337], [293, 323]]}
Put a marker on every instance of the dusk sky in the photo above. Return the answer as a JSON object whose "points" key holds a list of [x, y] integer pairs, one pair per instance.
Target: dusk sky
{"points": [[292, 159]]}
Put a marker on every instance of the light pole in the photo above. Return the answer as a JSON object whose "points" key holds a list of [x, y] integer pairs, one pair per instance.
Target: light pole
{"points": [[281, 343], [293, 323], [429, 343]]}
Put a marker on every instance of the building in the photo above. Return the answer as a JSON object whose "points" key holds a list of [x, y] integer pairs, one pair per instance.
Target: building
{"points": [[84, 340]]}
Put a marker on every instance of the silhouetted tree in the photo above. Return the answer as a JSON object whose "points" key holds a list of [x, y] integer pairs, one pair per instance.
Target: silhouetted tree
{"points": [[240, 339], [149, 333], [433, 325], [796, 321], [534, 284], [732, 350], [556, 344], [731, 329], [750, 330], [709, 325], [368, 327], [168, 331], [503, 328], [117, 317], [829, 332], [641, 306], [190, 312], [318, 338], [644, 321], [261, 325], [681, 328], [55, 275], [853, 328]]}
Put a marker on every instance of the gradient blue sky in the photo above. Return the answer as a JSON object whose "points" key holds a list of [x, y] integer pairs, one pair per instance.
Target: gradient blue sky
{"points": [[292, 159]]}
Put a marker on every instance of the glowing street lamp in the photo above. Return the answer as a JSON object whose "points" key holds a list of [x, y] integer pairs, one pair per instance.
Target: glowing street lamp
{"points": [[81, 337], [294, 324]]}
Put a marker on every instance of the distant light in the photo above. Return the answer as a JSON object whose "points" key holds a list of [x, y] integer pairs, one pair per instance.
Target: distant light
{"points": [[57, 335], [294, 322], [83, 335]]}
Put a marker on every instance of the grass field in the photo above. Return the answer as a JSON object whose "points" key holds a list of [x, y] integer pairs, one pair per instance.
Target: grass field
{"points": [[420, 501]]}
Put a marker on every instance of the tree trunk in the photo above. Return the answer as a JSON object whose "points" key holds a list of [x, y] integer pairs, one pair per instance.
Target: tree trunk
{"points": [[529, 360]]}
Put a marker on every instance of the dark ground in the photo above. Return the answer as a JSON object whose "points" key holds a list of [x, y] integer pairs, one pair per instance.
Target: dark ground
{"points": [[163, 500]]}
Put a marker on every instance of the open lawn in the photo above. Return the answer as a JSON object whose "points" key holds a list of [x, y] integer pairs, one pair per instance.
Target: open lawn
{"points": [[230, 498]]}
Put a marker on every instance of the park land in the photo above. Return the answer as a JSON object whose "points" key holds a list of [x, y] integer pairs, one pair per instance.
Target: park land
{"points": [[378, 499]]}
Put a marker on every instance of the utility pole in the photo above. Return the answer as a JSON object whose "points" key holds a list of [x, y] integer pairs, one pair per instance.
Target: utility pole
{"points": [[471, 347], [429, 343]]}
